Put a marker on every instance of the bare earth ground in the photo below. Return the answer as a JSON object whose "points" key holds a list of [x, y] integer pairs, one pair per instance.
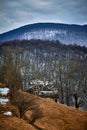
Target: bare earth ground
{"points": [[55, 116]]}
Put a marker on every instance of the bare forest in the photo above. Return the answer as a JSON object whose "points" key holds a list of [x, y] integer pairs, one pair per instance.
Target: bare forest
{"points": [[37, 66]]}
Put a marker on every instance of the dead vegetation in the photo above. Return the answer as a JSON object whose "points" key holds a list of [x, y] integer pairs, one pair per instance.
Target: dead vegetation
{"points": [[42, 114]]}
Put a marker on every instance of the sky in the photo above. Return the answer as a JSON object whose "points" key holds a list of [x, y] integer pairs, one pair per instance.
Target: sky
{"points": [[17, 13]]}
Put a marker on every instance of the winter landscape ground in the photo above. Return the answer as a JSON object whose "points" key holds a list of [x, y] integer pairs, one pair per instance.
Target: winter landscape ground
{"points": [[43, 77], [45, 114]]}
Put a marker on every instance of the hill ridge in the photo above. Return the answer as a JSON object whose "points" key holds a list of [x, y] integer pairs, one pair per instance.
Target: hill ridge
{"points": [[65, 33]]}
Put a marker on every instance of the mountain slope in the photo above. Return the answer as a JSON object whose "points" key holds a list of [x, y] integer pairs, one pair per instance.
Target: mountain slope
{"points": [[59, 117], [14, 123], [65, 33], [55, 116], [42, 60]]}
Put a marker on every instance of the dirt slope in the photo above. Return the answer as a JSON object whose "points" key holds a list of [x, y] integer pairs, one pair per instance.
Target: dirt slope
{"points": [[61, 117], [14, 123], [55, 117]]}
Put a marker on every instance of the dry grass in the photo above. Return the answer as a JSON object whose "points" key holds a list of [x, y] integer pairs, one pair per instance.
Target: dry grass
{"points": [[61, 117], [55, 117], [14, 123], [2, 85]]}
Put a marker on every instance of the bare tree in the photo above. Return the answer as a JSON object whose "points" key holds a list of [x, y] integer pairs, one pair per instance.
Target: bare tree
{"points": [[10, 74], [25, 102]]}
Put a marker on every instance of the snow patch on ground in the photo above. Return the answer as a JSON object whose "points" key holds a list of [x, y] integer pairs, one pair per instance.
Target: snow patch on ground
{"points": [[4, 91], [8, 113], [3, 101]]}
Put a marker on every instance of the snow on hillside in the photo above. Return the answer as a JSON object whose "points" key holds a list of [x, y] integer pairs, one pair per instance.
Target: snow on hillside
{"points": [[4, 91], [8, 113], [4, 100], [67, 34]]}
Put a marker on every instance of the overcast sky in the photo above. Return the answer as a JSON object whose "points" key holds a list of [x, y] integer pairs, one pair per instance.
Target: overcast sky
{"points": [[16, 13]]}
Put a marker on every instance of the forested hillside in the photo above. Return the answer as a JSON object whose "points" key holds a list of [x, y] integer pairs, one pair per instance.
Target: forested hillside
{"points": [[66, 33], [46, 66]]}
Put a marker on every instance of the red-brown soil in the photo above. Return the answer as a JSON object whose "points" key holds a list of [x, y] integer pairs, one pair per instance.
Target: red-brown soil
{"points": [[55, 117]]}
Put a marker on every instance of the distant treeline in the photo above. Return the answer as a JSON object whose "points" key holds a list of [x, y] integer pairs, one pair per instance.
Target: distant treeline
{"points": [[64, 65]]}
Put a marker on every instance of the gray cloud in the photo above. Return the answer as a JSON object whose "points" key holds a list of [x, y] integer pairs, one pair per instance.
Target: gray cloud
{"points": [[17, 13]]}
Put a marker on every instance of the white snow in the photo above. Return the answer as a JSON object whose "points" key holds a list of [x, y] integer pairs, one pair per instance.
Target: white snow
{"points": [[40, 82], [3, 101], [8, 113], [4, 91], [37, 82], [47, 92]]}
